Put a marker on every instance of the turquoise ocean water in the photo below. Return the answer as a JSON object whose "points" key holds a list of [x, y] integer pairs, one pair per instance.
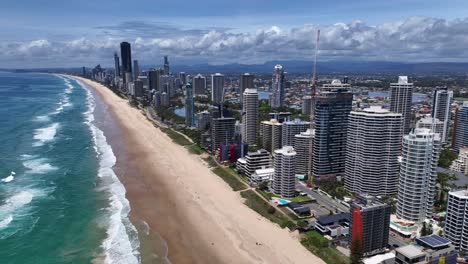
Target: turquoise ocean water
{"points": [[60, 200]]}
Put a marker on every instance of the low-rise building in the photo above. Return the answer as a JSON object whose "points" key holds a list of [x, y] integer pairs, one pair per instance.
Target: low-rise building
{"points": [[264, 175], [254, 161], [333, 225], [428, 249]]}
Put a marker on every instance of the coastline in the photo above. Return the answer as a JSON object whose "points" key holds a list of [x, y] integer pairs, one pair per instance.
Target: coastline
{"points": [[181, 201]]}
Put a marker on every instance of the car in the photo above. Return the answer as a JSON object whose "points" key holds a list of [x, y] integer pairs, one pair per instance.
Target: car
{"points": [[303, 194]]}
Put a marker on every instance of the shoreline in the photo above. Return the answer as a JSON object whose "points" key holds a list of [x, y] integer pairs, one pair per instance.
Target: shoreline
{"points": [[180, 199]]}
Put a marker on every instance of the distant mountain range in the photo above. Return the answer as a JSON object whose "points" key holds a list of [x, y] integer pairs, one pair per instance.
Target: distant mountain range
{"points": [[298, 67]]}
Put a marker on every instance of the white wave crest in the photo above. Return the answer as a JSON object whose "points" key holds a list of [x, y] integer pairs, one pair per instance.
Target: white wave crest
{"points": [[43, 135], [8, 178], [121, 244], [38, 166], [5, 222], [42, 118]]}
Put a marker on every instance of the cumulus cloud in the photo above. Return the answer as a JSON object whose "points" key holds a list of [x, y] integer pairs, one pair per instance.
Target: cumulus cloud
{"points": [[414, 39]]}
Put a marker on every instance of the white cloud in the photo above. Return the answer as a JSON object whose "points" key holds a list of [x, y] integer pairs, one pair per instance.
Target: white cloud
{"points": [[414, 39]]}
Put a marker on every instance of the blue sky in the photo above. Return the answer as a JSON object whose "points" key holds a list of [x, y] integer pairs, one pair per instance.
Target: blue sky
{"points": [[67, 33]]}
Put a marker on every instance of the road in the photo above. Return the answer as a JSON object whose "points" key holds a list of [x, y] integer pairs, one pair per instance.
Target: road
{"points": [[322, 199], [462, 178]]}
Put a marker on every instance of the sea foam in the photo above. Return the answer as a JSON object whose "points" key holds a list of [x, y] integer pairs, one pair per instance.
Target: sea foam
{"points": [[43, 135], [121, 244], [38, 166]]}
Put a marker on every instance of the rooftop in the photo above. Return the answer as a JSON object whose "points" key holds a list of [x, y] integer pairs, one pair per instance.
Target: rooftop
{"points": [[460, 194], [327, 220], [433, 241], [411, 251]]}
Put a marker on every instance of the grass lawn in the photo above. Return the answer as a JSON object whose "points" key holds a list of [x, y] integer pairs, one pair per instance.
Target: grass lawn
{"points": [[176, 137], [211, 162], [267, 195], [319, 245], [230, 178], [302, 199], [195, 149], [256, 203], [460, 99]]}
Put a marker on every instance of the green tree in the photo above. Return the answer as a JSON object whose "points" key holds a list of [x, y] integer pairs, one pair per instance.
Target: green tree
{"points": [[356, 251]]}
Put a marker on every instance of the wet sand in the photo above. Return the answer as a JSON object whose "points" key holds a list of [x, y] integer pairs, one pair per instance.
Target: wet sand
{"points": [[180, 207]]}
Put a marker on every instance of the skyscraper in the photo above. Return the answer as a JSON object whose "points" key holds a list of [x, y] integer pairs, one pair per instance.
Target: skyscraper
{"points": [[333, 103], [372, 148], [166, 66], [199, 85], [442, 100], [303, 143], [433, 124], [246, 81], [222, 131], [375, 224], [189, 106], [126, 56], [250, 116], [217, 86], [418, 174], [306, 104], [116, 64], [271, 132], [460, 128], [400, 101], [277, 87], [154, 80], [456, 222], [292, 128], [136, 70], [284, 178], [183, 77]]}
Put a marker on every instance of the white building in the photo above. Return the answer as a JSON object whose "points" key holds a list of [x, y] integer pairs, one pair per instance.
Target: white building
{"points": [[456, 223], [372, 148], [292, 128], [254, 161], [271, 134], [261, 175], [284, 178], [217, 86], [401, 100], [303, 145], [433, 124], [250, 116], [461, 163], [442, 101], [277, 87], [418, 174]]}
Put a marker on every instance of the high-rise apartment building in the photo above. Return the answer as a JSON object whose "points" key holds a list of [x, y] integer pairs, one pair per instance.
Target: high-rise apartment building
{"points": [[166, 66], [456, 222], [199, 85], [250, 116], [303, 144], [460, 128], [431, 123], [292, 128], [418, 174], [136, 70], [217, 86], [154, 76], [374, 223], [222, 131], [271, 132], [126, 56], [333, 103], [246, 81], [189, 106], [306, 104], [277, 87], [116, 64], [372, 148], [441, 102], [253, 161], [284, 178], [400, 101]]}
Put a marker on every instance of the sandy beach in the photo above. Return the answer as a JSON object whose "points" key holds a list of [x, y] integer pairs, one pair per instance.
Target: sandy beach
{"points": [[193, 210]]}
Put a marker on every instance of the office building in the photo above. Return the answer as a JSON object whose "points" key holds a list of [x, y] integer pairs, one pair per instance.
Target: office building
{"points": [[116, 65], [400, 101], [126, 56], [250, 116], [199, 85], [333, 103], [277, 87], [253, 161], [456, 221], [460, 128], [292, 128], [281, 116], [217, 88], [189, 106], [418, 175], [222, 132], [431, 123], [461, 163], [431, 249], [246, 81], [154, 76], [372, 149], [303, 145], [271, 132], [284, 178], [138, 88], [166, 66], [441, 102], [370, 221], [306, 104], [136, 70]]}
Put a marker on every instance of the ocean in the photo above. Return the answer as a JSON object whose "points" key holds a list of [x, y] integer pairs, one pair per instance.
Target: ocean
{"points": [[60, 200]]}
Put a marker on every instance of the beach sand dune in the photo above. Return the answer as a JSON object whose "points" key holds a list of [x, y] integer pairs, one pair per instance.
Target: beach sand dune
{"points": [[187, 206]]}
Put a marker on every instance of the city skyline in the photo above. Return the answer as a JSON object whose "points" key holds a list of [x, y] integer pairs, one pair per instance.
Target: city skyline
{"points": [[221, 33]]}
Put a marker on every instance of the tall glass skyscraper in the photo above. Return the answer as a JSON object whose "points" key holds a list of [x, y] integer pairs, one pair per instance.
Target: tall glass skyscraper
{"points": [[126, 57], [400, 101], [277, 87], [441, 102], [460, 128], [189, 106]]}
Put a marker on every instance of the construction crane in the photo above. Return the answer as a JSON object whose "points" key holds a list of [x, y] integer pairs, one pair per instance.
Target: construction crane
{"points": [[313, 91]]}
